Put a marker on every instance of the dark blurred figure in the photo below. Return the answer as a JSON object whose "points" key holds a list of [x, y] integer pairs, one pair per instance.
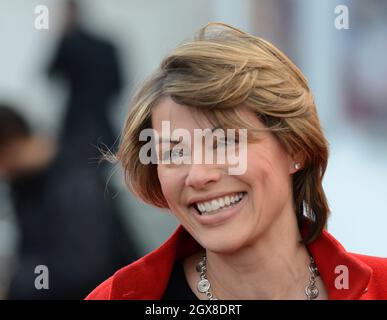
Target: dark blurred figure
{"points": [[65, 218], [90, 67]]}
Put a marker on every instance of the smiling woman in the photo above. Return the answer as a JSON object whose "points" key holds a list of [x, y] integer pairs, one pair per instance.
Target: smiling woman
{"points": [[259, 234]]}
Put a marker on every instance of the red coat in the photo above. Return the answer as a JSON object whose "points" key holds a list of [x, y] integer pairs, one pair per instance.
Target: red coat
{"points": [[147, 277]]}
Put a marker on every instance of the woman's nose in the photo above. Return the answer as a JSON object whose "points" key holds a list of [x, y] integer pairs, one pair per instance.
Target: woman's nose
{"points": [[200, 175]]}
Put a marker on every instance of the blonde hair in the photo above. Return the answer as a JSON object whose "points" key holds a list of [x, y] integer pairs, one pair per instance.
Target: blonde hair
{"points": [[221, 69]]}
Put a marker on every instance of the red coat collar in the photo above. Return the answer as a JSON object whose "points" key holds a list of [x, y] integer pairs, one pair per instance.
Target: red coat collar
{"points": [[148, 277]]}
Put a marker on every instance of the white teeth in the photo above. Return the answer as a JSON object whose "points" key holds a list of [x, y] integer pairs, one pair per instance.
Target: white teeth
{"points": [[213, 205]]}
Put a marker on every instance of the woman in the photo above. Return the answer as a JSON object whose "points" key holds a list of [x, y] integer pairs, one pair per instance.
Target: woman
{"points": [[258, 233]]}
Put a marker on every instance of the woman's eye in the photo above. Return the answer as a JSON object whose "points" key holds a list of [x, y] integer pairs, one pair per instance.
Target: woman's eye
{"points": [[176, 153], [223, 142], [219, 143], [173, 154]]}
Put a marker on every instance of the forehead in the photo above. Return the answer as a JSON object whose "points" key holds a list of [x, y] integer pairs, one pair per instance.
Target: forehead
{"points": [[179, 116]]}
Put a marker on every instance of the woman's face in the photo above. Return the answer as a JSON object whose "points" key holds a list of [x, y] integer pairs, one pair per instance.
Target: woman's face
{"points": [[238, 209]]}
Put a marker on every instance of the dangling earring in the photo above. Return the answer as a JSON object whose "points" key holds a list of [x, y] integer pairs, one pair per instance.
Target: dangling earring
{"points": [[297, 166]]}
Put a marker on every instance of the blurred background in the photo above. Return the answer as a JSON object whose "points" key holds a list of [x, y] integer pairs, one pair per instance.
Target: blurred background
{"points": [[64, 92]]}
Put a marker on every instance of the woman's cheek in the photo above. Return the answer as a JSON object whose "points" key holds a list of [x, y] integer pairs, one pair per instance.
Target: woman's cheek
{"points": [[169, 185]]}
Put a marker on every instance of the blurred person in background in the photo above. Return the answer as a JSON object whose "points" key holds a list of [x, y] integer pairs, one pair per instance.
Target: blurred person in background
{"points": [[66, 220], [90, 67]]}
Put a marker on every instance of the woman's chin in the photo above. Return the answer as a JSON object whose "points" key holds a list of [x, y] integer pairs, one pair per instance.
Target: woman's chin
{"points": [[224, 245]]}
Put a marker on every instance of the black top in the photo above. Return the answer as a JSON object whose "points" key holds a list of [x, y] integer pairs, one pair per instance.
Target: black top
{"points": [[178, 288]]}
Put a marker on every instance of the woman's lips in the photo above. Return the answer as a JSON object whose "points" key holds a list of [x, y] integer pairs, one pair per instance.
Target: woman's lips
{"points": [[220, 216]]}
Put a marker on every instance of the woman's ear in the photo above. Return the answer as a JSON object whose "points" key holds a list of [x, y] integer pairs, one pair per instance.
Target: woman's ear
{"points": [[296, 163]]}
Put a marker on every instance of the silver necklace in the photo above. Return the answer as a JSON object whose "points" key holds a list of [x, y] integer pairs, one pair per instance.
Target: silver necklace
{"points": [[204, 286]]}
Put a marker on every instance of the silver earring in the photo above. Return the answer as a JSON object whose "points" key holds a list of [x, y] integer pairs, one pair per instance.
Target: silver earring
{"points": [[297, 166]]}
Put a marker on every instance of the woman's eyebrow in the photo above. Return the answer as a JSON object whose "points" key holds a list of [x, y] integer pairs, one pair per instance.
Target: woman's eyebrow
{"points": [[175, 141]]}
